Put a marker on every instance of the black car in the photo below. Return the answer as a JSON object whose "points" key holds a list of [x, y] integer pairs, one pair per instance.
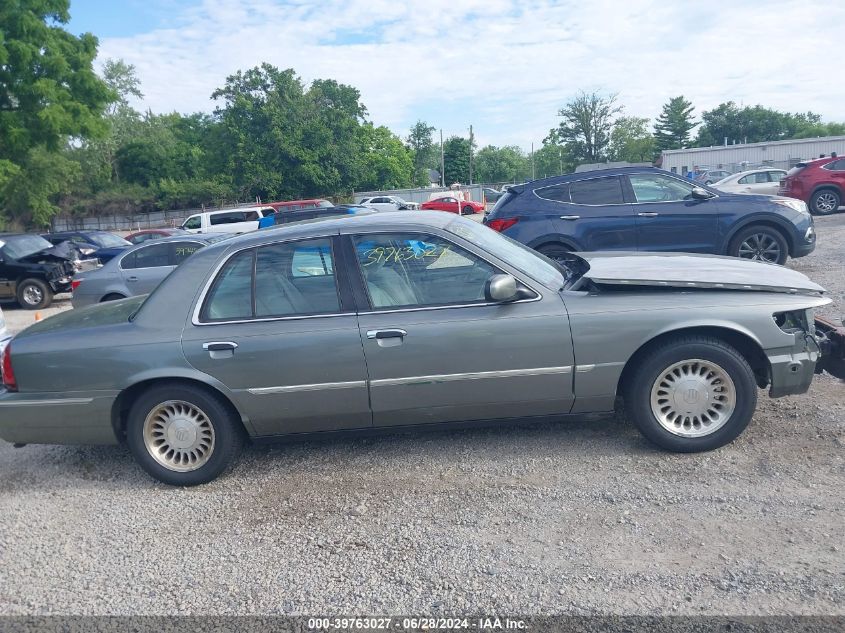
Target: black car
{"points": [[32, 270], [100, 245], [286, 217], [648, 209]]}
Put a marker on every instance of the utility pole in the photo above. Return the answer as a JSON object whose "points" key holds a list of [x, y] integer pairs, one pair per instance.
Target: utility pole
{"points": [[533, 174], [470, 154], [560, 154], [442, 162]]}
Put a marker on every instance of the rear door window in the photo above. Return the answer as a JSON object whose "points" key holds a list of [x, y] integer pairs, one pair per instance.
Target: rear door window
{"points": [[231, 217], [596, 191], [183, 250], [278, 280], [152, 256]]}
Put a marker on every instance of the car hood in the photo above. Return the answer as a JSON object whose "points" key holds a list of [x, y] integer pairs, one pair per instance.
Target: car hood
{"points": [[687, 270], [109, 313], [60, 253]]}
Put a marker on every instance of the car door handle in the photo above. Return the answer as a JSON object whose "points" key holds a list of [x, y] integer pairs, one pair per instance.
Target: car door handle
{"points": [[570, 217], [220, 346], [382, 334], [133, 278], [648, 214]]}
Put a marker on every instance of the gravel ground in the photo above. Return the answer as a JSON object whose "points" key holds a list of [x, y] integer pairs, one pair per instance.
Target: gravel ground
{"points": [[574, 518]]}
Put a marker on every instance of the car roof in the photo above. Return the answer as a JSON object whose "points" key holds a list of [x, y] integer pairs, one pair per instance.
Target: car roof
{"points": [[593, 173], [390, 220]]}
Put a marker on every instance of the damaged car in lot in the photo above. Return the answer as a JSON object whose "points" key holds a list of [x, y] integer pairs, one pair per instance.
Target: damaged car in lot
{"points": [[388, 321], [32, 270]]}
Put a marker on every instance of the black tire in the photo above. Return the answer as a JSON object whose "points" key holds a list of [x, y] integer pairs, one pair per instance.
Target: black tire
{"points": [[112, 297], [557, 252], [34, 294], [228, 433], [467, 210], [638, 393], [825, 202], [760, 243]]}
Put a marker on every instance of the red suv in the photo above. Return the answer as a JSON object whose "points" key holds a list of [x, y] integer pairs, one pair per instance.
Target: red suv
{"points": [[820, 183]]}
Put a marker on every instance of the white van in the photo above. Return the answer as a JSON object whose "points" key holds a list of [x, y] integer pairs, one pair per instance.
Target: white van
{"points": [[240, 220]]}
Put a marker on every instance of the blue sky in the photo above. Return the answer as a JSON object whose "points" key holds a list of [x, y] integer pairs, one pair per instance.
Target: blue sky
{"points": [[504, 66]]}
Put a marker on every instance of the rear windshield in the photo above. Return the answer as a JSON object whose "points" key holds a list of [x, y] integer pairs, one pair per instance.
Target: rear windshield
{"points": [[107, 240], [502, 201], [18, 246]]}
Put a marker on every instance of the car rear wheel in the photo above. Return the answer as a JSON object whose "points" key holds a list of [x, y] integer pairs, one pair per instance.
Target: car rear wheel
{"points": [[556, 252], [183, 435], [112, 297], [760, 243], [34, 294], [825, 202], [692, 394]]}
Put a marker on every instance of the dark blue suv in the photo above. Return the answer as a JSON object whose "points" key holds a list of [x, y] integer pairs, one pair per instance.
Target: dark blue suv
{"points": [[648, 209]]}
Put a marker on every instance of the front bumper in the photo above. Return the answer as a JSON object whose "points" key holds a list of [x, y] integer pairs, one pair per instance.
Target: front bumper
{"points": [[792, 368], [831, 339], [57, 418]]}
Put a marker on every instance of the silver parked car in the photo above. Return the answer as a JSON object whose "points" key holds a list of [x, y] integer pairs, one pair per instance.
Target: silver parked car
{"points": [[396, 320], [138, 270], [755, 181]]}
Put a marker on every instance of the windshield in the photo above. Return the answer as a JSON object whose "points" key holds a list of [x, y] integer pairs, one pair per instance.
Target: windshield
{"points": [[18, 246], [324, 203], [108, 240], [518, 255]]}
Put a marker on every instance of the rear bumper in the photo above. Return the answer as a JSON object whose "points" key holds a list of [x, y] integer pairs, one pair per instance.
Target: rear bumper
{"points": [[57, 418]]}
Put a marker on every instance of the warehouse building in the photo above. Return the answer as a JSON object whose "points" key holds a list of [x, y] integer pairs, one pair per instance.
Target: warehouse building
{"points": [[735, 158]]}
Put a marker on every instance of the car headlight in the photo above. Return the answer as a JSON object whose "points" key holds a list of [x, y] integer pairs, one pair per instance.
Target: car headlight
{"points": [[794, 204]]}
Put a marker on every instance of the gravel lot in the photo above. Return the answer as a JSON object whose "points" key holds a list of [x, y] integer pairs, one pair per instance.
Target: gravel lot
{"points": [[574, 518]]}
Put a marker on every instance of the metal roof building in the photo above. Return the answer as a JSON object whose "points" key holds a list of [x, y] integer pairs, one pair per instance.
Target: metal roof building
{"points": [[734, 158]]}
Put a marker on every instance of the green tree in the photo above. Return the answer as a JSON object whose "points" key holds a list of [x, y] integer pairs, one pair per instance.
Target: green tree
{"points": [[552, 159], [424, 153], [49, 94], [631, 140], [585, 126], [501, 164], [456, 153], [673, 126], [757, 124], [385, 162]]}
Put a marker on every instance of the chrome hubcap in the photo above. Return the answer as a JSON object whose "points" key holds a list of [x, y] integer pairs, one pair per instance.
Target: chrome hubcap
{"points": [[693, 398], [760, 247], [826, 202], [179, 435], [32, 295]]}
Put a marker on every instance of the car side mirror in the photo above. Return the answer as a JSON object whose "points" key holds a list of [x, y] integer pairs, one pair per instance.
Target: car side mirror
{"points": [[700, 194], [502, 289]]}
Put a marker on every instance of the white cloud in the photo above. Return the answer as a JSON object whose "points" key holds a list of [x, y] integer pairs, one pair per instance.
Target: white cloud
{"points": [[505, 66]]}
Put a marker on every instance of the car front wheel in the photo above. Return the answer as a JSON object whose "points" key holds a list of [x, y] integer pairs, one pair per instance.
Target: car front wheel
{"points": [[34, 294], [692, 394], [825, 202], [183, 435]]}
